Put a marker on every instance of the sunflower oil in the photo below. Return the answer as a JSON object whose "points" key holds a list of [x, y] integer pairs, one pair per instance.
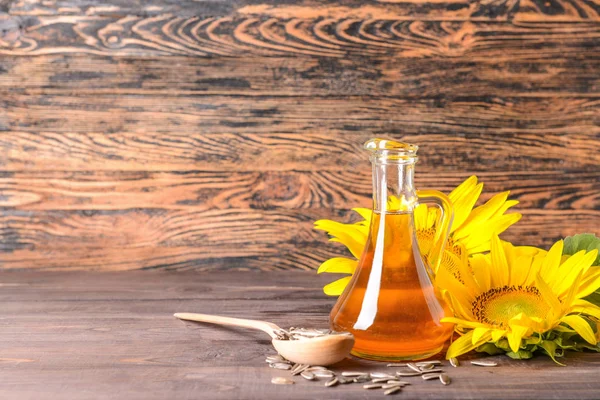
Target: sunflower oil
{"points": [[406, 324], [391, 305]]}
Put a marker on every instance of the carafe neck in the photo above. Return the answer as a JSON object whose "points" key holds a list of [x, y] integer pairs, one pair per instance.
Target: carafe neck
{"points": [[393, 184]]}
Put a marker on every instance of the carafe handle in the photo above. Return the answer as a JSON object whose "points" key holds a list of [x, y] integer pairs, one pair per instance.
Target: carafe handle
{"points": [[443, 224]]}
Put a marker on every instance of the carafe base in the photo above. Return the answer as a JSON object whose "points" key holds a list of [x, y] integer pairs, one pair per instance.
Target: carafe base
{"points": [[396, 357]]}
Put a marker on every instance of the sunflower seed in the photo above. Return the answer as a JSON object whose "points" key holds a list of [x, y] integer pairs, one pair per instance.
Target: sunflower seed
{"points": [[413, 367], [278, 380], [301, 368], [352, 374], [317, 368], [397, 365], [276, 358], [391, 385], [345, 381], [393, 390], [428, 377], [309, 376], [409, 373], [380, 380], [372, 386], [483, 363], [279, 365], [331, 382], [324, 374], [377, 375], [430, 362], [431, 371], [403, 383], [454, 362], [445, 379], [362, 379], [426, 367]]}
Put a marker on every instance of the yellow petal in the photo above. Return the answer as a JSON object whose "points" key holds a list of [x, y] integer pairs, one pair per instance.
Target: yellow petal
{"points": [[481, 270], [338, 265], [479, 240], [547, 294], [478, 333], [460, 346], [421, 216], [585, 307], [463, 199], [552, 261], [337, 287], [463, 322], [463, 188], [515, 335], [366, 213], [499, 265], [498, 334], [581, 327], [591, 283]]}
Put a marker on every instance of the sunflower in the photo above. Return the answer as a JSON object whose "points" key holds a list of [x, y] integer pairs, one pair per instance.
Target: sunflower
{"points": [[470, 233], [522, 298]]}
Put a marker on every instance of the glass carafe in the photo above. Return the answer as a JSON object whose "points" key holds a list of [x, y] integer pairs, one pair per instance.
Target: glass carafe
{"points": [[391, 305]]}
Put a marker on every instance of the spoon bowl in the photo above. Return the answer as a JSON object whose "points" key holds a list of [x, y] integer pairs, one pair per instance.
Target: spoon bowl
{"points": [[321, 350]]}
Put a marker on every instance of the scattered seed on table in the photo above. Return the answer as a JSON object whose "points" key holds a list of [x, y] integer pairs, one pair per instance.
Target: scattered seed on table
{"points": [[433, 362], [428, 377], [390, 385], [413, 367], [380, 380], [279, 365], [300, 369], [445, 379], [317, 368], [403, 383], [454, 362], [483, 363], [426, 367], [345, 381], [400, 373], [324, 374], [331, 382], [393, 390], [373, 386], [362, 379], [352, 374], [276, 358], [309, 376], [377, 375], [278, 380]]}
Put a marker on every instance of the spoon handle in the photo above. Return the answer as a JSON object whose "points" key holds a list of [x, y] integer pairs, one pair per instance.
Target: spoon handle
{"points": [[264, 326]]}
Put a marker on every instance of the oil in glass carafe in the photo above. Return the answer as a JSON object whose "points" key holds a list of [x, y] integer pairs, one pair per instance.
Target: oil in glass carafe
{"points": [[391, 305], [407, 321]]}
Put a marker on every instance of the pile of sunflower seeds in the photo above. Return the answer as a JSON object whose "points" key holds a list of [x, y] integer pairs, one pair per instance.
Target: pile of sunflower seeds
{"points": [[390, 383], [304, 333]]}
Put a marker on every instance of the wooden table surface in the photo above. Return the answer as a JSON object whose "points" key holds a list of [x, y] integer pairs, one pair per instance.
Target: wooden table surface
{"points": [[111, 335]]}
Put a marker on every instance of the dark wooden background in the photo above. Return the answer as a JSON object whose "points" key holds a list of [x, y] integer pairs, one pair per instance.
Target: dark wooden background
{"points": [[211, 134]]}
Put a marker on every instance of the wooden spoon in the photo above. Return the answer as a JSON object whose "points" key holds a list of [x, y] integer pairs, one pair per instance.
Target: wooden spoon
{"points": [[321, 350]]}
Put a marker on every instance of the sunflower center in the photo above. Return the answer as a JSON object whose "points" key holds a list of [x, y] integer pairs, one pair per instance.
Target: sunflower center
{"points": [[497, 306]]}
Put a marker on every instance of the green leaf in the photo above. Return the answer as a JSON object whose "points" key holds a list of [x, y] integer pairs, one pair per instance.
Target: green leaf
{"points": [[489, 348], [520, 355], [583, 241], [550, 349]]}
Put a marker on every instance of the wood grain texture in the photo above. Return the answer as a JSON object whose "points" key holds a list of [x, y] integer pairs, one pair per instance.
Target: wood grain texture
{"points": [[203, 135], [112, 335], [241, 35]]}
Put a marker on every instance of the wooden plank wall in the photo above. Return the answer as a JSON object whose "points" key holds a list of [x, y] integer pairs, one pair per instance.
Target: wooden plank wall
{"points": [[211, 134]]}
